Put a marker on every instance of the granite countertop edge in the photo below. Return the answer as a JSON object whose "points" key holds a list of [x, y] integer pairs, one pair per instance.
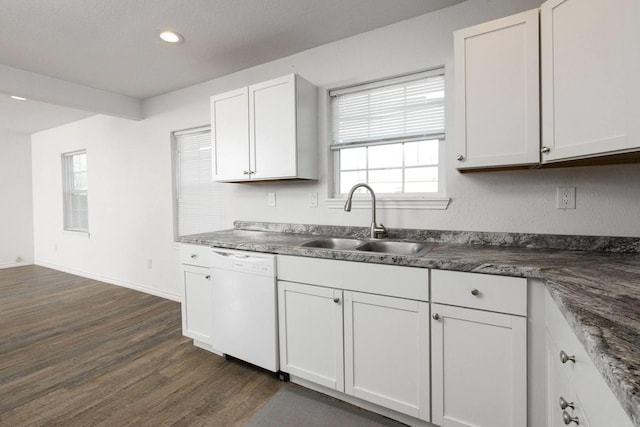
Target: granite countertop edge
{"points": [[566, 273]]}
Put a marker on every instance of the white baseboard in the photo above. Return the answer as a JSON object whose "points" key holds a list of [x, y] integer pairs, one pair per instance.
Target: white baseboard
{"points": [[124, 284], [15, 264]]}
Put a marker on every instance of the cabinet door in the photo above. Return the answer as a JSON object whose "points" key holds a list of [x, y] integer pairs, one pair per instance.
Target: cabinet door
{"points": [[558, 389], [196, 303], [310, 329], [387, 352], [230, 135], [497, 93], [479, 368], [272, 118], [590, 91]]}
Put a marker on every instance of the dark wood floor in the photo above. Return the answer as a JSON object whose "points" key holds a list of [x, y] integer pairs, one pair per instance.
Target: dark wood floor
{"points": [[78, 352]]}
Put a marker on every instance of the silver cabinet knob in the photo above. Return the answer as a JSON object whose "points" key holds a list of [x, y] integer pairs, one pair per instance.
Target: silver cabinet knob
{"points": [[459, 157], [207, 277], [336, 300], [564, 357], [436, 316], [475, 292], [194, 256], [568, 419], [545, 149], [564, 404], [246, 172]]}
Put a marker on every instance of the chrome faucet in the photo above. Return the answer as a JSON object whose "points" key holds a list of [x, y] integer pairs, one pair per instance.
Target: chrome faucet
{"points": [[377, 231]]}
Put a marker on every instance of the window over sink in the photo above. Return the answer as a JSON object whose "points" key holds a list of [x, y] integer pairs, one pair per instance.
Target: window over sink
{"points": [[389, 134]]}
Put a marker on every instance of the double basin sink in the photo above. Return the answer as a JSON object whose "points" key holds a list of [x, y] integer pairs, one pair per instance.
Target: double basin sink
{"points": [[390, 247]]}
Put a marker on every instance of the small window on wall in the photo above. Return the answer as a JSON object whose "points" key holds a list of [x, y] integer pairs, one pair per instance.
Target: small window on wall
{"points": [[390, 134], [198, 203], [75, 191]]}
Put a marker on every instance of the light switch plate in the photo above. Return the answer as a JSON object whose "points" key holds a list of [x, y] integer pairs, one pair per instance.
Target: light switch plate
{"points": [[313, 200]]}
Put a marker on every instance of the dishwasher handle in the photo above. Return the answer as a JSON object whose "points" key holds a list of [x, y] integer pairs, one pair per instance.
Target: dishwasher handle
{"points": [[232, 254]]}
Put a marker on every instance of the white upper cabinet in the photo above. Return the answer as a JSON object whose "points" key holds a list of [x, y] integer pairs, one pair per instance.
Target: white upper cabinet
{"points": [[230, 134], [497, 93], [265, 132], [590, 91], [588, 61]]}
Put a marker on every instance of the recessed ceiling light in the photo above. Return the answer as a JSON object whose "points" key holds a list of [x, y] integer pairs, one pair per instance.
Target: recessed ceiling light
{"points": [[171, 37], [18, 98]]}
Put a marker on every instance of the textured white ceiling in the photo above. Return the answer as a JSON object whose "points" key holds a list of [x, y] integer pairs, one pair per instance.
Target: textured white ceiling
{"points": [[112, 45]]}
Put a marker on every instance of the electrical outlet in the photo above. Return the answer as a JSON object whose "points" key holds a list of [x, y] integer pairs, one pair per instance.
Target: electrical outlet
{"points": [[271, 200], [566, 198], [149, 263], [313, 200]]}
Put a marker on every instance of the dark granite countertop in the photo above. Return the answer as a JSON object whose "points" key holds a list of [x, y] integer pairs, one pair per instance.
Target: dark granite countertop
{"points": [[596, 283]]}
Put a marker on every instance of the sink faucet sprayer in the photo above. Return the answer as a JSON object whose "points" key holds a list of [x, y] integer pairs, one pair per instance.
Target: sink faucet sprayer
{"points": [[377, 231]]}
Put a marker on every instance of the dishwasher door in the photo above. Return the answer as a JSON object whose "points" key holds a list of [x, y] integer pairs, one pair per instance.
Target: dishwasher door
{"points": [[245, 317]]}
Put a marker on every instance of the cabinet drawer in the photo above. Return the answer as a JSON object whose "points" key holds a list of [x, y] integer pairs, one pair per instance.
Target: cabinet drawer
{"points": [[197, 255], [391, 280], [482, 291], [599, 404]]}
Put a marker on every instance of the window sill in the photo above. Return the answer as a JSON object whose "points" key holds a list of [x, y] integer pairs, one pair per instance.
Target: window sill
{"points": [[365, 203]]}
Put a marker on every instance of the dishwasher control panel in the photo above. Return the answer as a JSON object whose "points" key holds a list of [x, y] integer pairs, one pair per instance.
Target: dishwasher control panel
{"points": [[244, 261], [253, 267]]}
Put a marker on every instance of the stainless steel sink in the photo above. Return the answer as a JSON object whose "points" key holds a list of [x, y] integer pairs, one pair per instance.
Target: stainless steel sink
{"points": [[378, 246], [333, 243], [396, 248]]}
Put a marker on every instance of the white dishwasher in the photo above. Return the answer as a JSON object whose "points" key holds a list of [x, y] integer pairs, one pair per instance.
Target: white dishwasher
{"points": [[245, 315]]}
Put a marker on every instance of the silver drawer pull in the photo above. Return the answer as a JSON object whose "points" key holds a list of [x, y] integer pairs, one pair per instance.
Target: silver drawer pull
{"points": [[475, 292], [564, 357], [207, 277], [568, 419], [436, 316], [564, 404], [194, 256]]}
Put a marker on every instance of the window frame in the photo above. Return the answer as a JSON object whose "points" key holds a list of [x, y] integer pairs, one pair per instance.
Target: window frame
{"points": [[69, 191], [412, 200]]}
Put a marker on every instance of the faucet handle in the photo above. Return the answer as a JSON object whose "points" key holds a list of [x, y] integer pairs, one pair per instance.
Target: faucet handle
{"points": [[379, 231]]}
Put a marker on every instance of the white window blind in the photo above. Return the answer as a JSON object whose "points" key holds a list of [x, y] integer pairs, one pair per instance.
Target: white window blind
{"points": [[400, 109], [75, 191], [389, 134], [199, 206]]}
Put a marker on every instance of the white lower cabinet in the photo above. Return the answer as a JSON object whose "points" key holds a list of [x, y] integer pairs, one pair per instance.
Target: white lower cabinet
{"points": [[310, 328], [373, 347], [370, 346], [387, 352], [197, 293], [479, 357], [479, 368], [197, 296], [576, 392], [563, 406]]}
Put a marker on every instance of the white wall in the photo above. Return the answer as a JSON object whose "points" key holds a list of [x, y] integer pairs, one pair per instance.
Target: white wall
{"points": [[130, 168], [16, 220]]}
